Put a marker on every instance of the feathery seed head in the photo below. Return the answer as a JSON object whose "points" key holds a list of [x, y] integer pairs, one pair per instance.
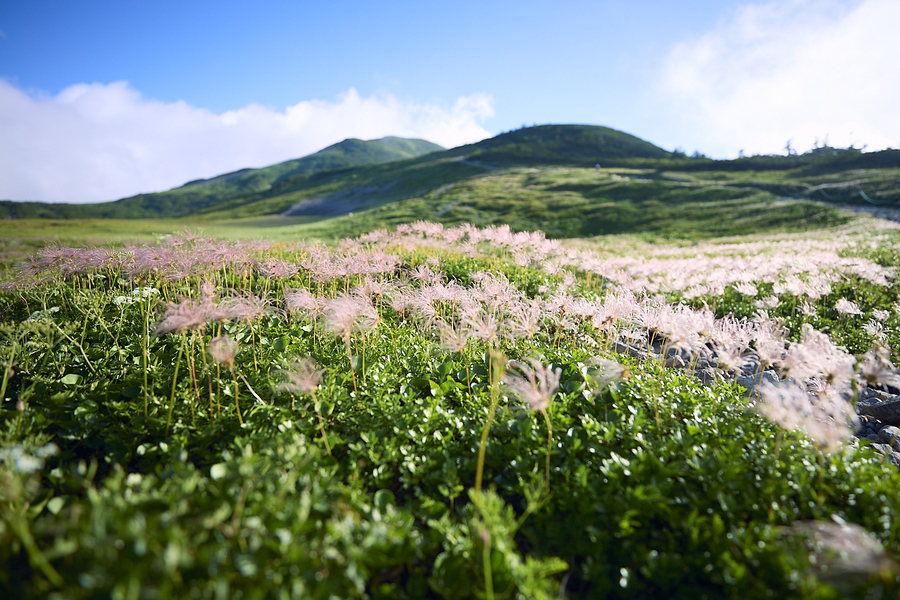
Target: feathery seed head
{"points": [[224, 349], [877, 369], [347, 314], [303, 376], [825, 417], [605, 372], [846, 307], [533, 383]]}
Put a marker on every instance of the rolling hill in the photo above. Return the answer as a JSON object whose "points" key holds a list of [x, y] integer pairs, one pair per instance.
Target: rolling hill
{"points": [[534, 178], [202, 194]]}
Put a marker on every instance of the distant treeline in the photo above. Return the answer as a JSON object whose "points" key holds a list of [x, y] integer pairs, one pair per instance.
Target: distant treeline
{"points": [[816, 161]]}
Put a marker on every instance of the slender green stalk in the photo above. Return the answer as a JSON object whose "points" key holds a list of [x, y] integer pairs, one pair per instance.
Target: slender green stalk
{"points": [[35, 556], [253, 344], [175, 381], [6, 368], [486, 564], [350, 357], [549, 445], [208, 376], [80, 348], [496, 365], [237, 404], [321, 421], [193, 373], [250, 389], [145, 354]]}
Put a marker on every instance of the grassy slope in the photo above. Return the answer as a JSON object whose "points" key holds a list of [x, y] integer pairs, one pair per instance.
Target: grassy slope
{"points": [[563, 202], [535, 178], [199, 195], [568, 203], [667, 194]]}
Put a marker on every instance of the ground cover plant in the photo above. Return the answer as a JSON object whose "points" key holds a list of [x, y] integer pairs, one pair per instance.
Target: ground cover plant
{"points": [[450, 413]]}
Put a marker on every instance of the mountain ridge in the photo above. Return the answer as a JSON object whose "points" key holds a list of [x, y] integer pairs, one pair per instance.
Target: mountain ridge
{"points": [[413, 176], [200, 194]]}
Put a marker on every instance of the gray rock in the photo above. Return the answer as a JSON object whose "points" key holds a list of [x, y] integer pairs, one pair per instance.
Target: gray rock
{"points": [[877, 394], [750, 382], [882, 448], [894, 458], [750, 368], [706, 376], [675, 362], [867, 420], [873, 437], [629, 349], [889, 434]]}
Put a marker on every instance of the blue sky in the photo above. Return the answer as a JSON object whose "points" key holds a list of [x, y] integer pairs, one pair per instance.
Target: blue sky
{"points": [[101, 100]]}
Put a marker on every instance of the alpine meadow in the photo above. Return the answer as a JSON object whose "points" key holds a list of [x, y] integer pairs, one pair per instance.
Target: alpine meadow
{"points": [[558, 363]]}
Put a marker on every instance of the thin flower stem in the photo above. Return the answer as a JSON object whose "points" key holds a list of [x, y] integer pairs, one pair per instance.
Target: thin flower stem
{"points": [[549, 445], [145, 351], [253, 343], [350, 357], [250, 389], [321, 422], [193, 373], [80, 348], [35, 556], [208, 376], [6, 369], [175, 382], [362, 355], [237, 404], [495, 369], [486, 564], [218, 389]]}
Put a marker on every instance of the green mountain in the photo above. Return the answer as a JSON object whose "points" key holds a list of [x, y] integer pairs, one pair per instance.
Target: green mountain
{"points": [[197, 196], [533, 178], [337, 192], [573, 145]]}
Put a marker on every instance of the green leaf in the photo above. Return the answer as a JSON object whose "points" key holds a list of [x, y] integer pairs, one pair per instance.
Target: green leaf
{"points": [[218, 471], [55, 505], [132, 391], [444, 369], [451, 578], [384, 498], [71, 379]]}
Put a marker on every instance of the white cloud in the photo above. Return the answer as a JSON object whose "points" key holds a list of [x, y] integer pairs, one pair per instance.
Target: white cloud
{"points": [[94, 142], [798, 69]]}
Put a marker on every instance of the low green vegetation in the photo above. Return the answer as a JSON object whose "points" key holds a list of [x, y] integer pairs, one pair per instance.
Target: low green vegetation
{"points": [[441, 401], [573, 203], [563, 202], [441, 413], [521, 178]]}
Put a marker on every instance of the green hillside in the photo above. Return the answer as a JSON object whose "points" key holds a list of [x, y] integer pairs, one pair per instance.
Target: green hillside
{"points": [[205, 193], [567, 202], [534, 178], [332, 193], [574, 145]]}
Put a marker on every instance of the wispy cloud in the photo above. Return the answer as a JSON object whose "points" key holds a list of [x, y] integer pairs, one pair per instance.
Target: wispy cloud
{"points": [[94, 142], [798, 70]]}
